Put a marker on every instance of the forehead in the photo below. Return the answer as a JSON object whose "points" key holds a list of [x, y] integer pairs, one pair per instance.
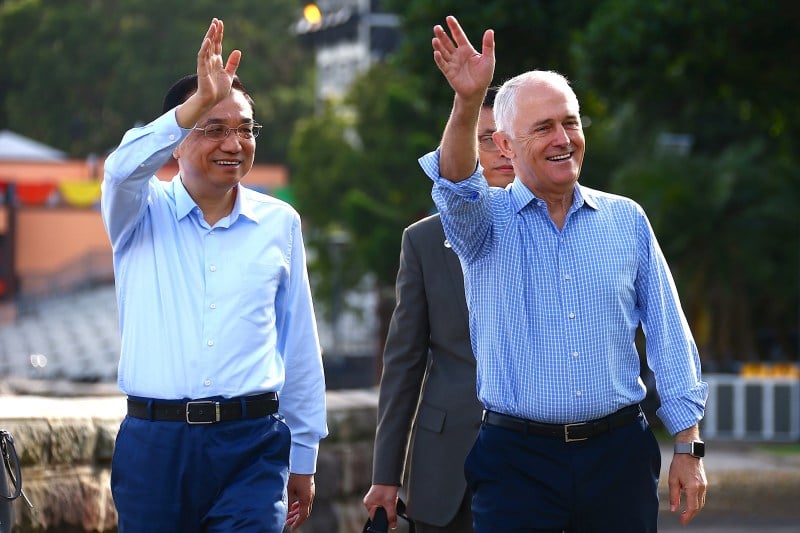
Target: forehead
{"points": [[486, 120], [233, 109], [543, 100]]}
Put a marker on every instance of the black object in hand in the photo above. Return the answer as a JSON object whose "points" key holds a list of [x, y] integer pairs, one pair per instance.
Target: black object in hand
{"points": [[379, 522]]}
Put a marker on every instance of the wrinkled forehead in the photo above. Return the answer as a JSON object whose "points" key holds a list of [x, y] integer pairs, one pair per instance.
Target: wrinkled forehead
{"points": [[235, 109], [541, 101]]}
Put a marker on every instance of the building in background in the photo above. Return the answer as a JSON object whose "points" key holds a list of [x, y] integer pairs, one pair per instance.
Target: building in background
{"points": [[347, 36]]}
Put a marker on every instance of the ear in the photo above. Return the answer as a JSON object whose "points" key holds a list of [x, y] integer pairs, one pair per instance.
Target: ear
{"points": [[503, 142]]}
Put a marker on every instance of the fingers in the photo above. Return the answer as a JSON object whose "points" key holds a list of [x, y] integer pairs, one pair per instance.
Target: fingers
{"points": [[217, 40], [298, 513], [690, 483], [695, 501], [457, 32], [442, 42], [233, 62], [487, 45]]}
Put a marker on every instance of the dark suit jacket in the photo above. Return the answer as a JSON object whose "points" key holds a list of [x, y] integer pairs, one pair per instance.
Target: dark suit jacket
{"points": [[428, 390]]}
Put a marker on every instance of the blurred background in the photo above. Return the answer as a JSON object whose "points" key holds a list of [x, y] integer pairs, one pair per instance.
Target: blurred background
{"points": [[690, 109]]}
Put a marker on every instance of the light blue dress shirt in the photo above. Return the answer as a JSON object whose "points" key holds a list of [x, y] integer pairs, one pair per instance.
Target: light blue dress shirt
{"points": [[554, 313], [211, 311]]}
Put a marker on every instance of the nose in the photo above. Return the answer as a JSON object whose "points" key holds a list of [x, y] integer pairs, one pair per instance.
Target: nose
{"points": [[231, 143], [562, 135]]}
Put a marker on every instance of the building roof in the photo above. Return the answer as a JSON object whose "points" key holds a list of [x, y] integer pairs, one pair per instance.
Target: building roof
{"points": [[15, 147]]}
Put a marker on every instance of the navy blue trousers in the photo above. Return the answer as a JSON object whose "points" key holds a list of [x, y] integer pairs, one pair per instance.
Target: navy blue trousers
{"points": [[527, 483], [230, 476]]}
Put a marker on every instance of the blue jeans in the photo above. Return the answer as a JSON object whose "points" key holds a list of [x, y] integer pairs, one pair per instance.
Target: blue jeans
{"points": [[526, 483], [229, 476]]}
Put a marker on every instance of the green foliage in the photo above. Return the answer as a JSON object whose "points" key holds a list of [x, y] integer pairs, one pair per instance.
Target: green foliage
{"points": [[534, 34], [715, 69], [723, 225], [354, 169], [78, 74]]}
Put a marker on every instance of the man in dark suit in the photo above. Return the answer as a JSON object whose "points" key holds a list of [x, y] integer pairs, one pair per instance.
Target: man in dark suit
{"points": [[428, 411]]}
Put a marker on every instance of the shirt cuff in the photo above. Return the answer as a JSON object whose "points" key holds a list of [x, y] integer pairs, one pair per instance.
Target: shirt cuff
{"points": [[468, 188], [682, 413], [303, 459]]}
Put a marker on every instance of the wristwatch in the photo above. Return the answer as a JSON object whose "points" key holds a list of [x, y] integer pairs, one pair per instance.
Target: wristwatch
{"points": [[696, 448]]}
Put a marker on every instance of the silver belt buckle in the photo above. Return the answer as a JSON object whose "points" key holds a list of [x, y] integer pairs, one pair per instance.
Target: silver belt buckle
{"points": [[204, 402], [567, 438]]}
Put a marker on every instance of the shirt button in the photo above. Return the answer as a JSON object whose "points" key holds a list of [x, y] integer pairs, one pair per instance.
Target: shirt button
{"points": [[211, 232], [213, 268], [578, 393], [207, 383], [172, 137], [574, 354], [572, 315], [567, 277], [213, 306], [210, 342]]}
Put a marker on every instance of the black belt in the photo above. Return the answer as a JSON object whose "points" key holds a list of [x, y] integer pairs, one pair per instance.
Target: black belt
{"points": [[205, 411], [568, 432]]}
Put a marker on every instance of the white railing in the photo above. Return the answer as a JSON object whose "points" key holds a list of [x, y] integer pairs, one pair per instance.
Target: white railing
{"points": [[752, 408]]}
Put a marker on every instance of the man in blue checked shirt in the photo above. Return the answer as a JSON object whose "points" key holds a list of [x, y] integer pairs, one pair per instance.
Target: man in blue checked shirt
{"points": [[558, 277], [220, 356]]}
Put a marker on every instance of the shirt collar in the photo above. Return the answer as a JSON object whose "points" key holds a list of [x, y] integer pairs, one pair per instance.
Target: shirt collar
{"points": [[184, 204], [522, 196]]}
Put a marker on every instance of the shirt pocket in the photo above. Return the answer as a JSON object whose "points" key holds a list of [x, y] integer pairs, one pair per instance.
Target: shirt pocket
{"points": [[259, 285]]}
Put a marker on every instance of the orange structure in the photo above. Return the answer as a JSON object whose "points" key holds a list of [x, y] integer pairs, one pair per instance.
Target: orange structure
{"points": [[51, 232]]}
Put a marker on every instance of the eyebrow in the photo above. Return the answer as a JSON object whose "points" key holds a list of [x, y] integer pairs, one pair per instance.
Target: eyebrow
{"points": [[550, 121], [214, 120]]}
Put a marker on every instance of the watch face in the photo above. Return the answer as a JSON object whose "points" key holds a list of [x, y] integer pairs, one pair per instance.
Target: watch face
{"points": [[699, 448]]}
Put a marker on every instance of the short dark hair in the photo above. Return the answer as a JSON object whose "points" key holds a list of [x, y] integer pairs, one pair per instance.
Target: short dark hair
{"points": [[491, 92], [182, 89]]}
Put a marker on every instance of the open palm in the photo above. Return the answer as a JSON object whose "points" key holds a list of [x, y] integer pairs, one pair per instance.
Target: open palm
{"points": [[467, 71]]}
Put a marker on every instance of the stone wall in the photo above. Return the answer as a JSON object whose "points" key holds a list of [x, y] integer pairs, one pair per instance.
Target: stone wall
{"points": [[65, 447]]}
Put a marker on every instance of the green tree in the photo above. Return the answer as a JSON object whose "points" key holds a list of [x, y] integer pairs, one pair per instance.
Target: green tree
{"points": [[354, 169], [715, 69], [724, 212], [80, 73]]}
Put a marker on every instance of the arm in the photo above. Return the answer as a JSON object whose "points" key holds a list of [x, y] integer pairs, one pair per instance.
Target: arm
{"points": [[469, 73], [404, 361], [144, 150], [302, 397], [672, 354]]}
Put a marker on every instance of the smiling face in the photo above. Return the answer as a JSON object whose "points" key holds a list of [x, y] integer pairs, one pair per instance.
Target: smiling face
{"points": [[212, 168], [546, 142], [497, 169]]}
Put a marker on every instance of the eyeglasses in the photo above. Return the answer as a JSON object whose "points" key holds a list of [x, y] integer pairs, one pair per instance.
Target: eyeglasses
{"points": [[486, 143], [219, 132]]}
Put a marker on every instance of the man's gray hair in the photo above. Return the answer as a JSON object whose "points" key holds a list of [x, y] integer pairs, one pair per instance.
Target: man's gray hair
{"points": [[505, 103]]}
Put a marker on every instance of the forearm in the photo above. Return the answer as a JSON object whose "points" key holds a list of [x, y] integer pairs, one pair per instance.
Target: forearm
{"points": [[688, 434], [459, 147]]}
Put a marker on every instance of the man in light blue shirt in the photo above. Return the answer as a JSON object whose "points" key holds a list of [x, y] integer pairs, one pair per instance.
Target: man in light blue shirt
{"points": [[558, 278], [220, 356]]}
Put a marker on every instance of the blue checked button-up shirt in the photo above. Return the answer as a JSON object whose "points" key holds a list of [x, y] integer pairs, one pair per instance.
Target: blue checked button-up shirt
{"points": [[211, 311], [553, 313]]}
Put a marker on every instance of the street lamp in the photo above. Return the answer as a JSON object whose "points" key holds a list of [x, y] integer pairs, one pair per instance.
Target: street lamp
{"points": [[312, 14]]}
